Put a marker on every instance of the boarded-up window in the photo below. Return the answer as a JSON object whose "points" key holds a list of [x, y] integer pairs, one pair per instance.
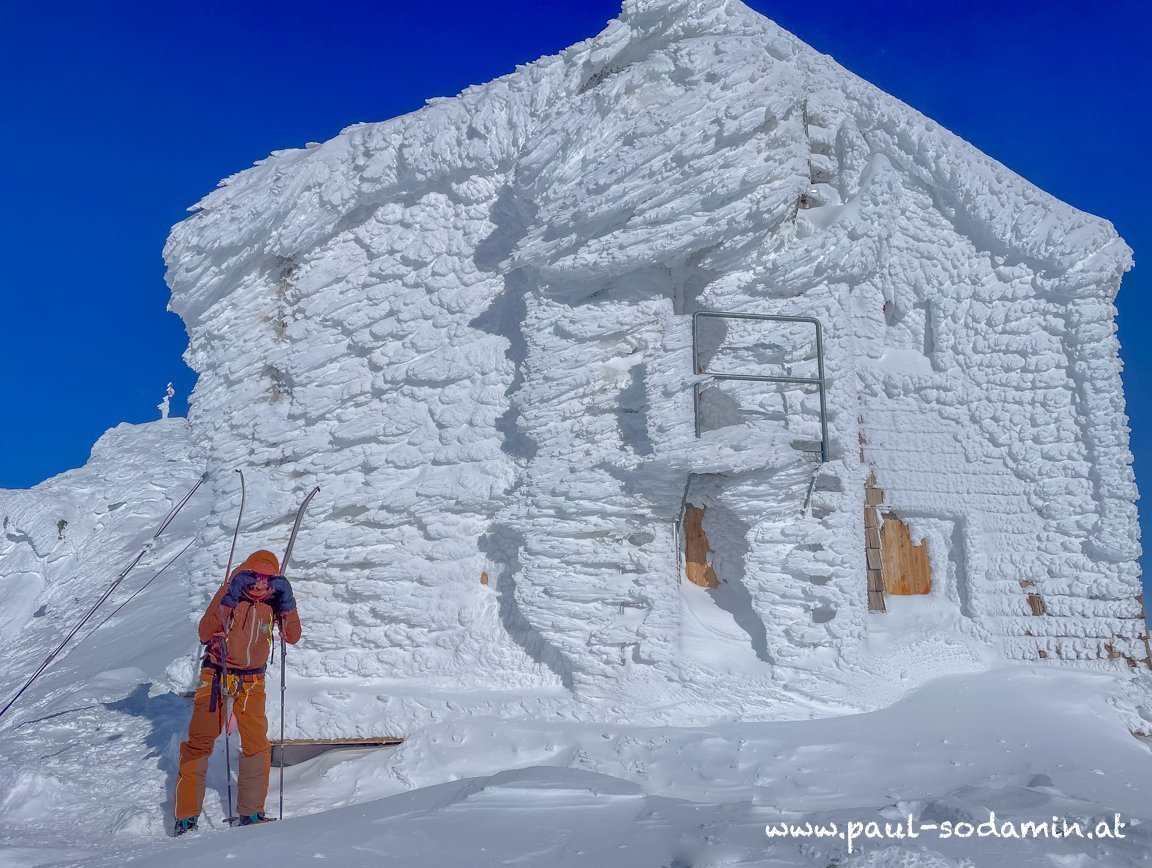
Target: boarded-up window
{"points": [[906, 566], [696, 549]]}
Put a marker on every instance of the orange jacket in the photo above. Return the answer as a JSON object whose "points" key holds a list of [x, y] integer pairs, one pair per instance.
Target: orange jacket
{"points": [[250, 636]]}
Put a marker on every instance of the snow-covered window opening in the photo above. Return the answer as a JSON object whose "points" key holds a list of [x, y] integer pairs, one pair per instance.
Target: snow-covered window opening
{"points": [[738, 339]]}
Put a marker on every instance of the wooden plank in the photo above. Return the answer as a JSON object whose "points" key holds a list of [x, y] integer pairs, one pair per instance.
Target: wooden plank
{"points": [[298, 750], [1144, 623], [876, 601], [388, 740], [907, 570], [876, 591], [873, 544], [1036, 604], [697, 549], [1035, 601]]}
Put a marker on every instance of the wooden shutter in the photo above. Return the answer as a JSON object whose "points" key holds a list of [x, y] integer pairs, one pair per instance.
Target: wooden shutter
{"points": [[906, 566], [696, 549]]}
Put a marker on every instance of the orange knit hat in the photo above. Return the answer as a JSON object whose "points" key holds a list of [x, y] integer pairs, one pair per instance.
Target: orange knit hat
{"points": [[263, 562]]}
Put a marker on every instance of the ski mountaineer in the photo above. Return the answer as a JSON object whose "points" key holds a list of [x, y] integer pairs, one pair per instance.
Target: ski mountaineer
{"points": [[237, 625]]}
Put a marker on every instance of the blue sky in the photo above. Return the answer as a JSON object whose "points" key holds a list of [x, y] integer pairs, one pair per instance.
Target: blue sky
{"points": [[117, 116]]}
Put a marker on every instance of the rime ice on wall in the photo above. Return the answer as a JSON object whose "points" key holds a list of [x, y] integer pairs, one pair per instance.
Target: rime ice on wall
{"points": [[470, 325]]}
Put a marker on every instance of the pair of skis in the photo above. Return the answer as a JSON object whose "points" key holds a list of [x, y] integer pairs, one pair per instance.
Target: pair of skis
{"points": [[227, 704]]}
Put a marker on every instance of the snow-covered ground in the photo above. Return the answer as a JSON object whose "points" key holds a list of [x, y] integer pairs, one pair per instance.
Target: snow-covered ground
{"points": [[87, 758], [88, 755], [85, 778]]}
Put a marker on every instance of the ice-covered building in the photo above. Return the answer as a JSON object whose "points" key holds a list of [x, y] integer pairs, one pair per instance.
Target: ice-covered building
{"points": [[473, 327]]}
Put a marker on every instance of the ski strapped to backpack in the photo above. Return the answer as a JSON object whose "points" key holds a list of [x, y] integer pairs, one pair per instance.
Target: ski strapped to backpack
{"points": [[145, 549], [283, 645]]}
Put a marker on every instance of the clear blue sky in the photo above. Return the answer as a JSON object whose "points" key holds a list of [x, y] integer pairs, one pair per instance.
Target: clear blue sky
{"points": [[118, 115]]}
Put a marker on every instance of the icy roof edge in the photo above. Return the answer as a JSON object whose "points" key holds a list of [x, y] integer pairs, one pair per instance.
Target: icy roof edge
{"points": [[287, 203], [1054, 235]]}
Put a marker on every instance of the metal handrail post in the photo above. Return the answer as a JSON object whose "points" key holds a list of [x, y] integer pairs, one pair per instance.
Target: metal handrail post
{"points": [[695, 344], [696, 407], [823, 392]]}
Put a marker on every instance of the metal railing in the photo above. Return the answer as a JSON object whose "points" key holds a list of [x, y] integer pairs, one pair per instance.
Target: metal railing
{"points": [[817, 381]]}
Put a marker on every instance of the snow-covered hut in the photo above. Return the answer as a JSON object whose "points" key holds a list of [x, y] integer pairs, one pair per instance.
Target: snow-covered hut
{"points": [[473, 326]]}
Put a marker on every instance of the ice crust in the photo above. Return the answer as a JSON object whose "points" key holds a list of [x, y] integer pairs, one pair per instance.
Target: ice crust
{"points": [[470, 326]]}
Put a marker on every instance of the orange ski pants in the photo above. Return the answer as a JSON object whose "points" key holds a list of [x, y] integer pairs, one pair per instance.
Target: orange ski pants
{"points": [[248, 699]]}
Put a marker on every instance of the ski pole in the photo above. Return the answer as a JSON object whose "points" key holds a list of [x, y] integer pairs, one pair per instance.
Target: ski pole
{"points": [[283, 644], [283, 690], [226, 710], [226, 702], [145, 549]]}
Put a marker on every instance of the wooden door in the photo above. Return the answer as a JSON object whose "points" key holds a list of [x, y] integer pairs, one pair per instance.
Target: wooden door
{"points": [[906, 566], [696, 549]]}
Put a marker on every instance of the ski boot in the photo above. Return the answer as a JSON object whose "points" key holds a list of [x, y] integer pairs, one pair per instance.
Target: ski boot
{"points": [[188, 824], [256, 819]]}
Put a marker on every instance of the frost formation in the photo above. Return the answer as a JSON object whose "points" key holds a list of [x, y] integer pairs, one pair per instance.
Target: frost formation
{"points": [[471, 326]]}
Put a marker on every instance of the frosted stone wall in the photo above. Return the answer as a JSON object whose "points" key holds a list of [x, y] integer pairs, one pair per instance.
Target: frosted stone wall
{"points": [[471, 327]]}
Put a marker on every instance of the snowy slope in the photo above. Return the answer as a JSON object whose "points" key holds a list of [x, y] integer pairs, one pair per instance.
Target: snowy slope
{"points": [[1026, 744], [64, 542]]}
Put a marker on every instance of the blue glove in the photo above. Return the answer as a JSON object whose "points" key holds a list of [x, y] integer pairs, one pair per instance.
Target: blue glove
{"points": [[237, 588], [282, 601]]}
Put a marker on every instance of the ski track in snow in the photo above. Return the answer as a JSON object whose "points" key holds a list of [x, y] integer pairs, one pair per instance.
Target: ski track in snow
{"points": [[470, 326]]}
